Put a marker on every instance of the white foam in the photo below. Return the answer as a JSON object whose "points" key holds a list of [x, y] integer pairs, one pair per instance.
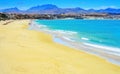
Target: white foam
{"points": [[83, 38], [42, 26], [113, 50], [67, 35], [66, 38], [65, 32]]}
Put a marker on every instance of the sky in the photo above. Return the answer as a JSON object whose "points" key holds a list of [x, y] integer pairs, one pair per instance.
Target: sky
{"points": [[86, 4]]}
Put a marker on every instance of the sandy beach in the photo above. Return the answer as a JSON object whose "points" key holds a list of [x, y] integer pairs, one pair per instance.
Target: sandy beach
{"points": [[24, 51]]}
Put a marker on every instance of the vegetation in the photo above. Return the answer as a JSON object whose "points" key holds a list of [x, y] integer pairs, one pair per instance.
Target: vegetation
{"points": [[3, 16]]}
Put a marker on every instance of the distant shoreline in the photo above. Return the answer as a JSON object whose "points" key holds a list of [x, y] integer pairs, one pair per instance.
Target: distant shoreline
{"points": [[101, 16]]}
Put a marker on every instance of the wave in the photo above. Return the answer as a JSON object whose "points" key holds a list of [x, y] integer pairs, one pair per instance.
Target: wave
{"points": [[68, 35], [71, 37], [83, 38], [111, 50]]}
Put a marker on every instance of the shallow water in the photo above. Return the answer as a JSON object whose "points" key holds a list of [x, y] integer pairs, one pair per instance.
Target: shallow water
{"points": [[101, 32], [97, 40]]}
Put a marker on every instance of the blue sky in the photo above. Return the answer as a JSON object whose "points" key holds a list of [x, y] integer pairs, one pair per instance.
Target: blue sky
{"points": [[25, 4]]}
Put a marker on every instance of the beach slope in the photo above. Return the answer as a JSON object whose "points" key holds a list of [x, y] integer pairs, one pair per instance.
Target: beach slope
{"points": [[24, 51]]}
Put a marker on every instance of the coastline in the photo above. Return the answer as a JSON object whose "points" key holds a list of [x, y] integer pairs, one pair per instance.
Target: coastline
{"points": [[104, 52], [91, 49], [24, 51]]}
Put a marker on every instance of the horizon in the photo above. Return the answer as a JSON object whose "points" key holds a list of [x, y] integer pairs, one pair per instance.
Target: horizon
{"points": [[86, 4]]}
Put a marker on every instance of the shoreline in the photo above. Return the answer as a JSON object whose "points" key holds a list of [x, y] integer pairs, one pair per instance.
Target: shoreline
{"points": [[26, 51], [100, 52], [97, 50]]}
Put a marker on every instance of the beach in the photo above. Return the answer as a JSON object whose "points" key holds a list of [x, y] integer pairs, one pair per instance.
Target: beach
{"points": [[24, 51], [79, 34]]}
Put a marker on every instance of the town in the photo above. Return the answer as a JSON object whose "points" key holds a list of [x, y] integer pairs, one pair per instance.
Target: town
{"points": [[6, 16]]}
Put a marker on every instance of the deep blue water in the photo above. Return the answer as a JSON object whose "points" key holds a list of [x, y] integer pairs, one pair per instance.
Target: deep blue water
{"points": [[103, 32]]}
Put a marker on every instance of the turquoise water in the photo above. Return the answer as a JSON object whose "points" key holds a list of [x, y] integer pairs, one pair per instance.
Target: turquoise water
{"points": [[101, 32]]}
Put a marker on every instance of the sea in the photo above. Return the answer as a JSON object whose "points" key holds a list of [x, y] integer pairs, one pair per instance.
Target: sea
{"points": [[101, 34]]}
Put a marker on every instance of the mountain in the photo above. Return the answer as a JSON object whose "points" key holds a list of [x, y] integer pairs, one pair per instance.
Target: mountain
{"points": [[44, 9], [73, 10], [109, 10], [11, 10], [53, 9]]}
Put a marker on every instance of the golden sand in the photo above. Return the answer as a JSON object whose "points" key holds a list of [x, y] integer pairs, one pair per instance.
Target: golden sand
{"points": [[24, 51]]}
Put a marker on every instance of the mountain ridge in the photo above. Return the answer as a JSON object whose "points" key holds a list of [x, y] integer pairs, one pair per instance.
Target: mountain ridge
{"points": [[53, 9]]}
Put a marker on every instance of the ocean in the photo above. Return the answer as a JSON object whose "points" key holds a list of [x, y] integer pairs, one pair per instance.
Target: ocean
{"points": [[102, 34]]}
